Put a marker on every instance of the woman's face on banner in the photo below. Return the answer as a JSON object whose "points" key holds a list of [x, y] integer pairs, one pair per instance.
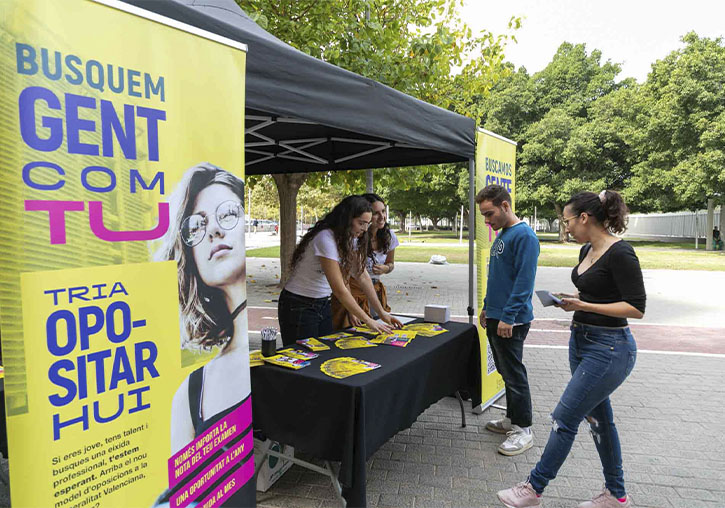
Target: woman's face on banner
{"points": [[220, 256], [379, 217]]}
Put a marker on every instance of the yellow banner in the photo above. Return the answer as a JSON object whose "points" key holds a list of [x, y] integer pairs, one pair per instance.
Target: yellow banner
{"points": [[495, 164], [122, 197]]}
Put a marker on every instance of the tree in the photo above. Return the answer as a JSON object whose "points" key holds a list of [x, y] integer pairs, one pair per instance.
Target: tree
{"points": [[264, 200], [435, 195], [567, 126], [682, 146], [413, 46]]}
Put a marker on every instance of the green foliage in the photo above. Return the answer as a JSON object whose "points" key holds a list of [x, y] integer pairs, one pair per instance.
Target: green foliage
{"points": [[682, 146], [419, 47], [661, 143], [433, 192], [265, 204]]}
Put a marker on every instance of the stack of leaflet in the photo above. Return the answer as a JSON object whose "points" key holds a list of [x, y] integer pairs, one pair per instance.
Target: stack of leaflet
{"points": [[346, 366], [313, 344], [425, 329], [286, 361], [362, 329], [399, 338], [296, 353], [353, 343], [335, 336], [255, 358]]}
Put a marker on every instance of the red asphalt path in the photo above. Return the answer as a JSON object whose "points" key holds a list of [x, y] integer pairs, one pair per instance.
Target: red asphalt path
{"points": [[545, 332]]}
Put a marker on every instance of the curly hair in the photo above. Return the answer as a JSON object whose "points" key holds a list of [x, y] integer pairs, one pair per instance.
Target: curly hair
{"points": [[383, 235], [608, 208], [205, 319], [339, 221]]}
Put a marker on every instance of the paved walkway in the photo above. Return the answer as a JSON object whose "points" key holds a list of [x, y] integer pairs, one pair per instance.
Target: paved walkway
{"points": [[669, 411]]}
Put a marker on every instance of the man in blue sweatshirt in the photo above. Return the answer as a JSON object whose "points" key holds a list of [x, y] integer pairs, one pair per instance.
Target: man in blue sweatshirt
{"points": [[507, 312]]}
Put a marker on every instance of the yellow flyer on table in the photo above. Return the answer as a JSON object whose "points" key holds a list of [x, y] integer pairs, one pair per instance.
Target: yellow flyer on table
{"points": [[353, 343], [296, 353], [391, 340], [346, 366], [286, 361], [255, 358], [313, 344], [335, 336]]}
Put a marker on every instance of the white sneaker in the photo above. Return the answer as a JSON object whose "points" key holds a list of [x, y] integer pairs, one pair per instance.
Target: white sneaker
{"points": [[501, 426], [518, 441]]}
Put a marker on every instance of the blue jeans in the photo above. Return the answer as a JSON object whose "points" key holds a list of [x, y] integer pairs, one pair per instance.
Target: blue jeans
{"points": [[301, 317], [508, 355], [600, 360]]}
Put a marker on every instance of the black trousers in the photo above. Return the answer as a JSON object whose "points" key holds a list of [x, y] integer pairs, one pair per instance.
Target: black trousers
{"points": [[301, 317], [508, 355]]}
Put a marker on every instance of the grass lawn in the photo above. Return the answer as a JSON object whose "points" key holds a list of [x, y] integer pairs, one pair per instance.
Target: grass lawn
{"points": [[433, 237], [565, 256]]}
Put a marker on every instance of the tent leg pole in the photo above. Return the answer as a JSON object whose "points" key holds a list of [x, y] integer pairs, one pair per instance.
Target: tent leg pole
{"points": [[471, 234]]}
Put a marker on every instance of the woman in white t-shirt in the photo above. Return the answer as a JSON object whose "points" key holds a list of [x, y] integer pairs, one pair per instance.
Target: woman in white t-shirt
{"points": [[380, 260], [322, 262]]}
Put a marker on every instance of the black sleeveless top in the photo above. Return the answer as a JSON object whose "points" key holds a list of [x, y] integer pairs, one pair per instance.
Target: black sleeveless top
{"points": [[247, 493]]}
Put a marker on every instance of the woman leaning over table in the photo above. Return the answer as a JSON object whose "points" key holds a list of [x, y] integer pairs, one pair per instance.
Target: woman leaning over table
{"points": [[380, 260], [602, 351], [326, 256]]}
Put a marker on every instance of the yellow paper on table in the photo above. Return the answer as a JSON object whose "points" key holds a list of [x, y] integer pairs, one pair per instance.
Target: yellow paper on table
{"points": [[361, 329], [404, 334], [353, 343], [430, 333], [391, 340], [286, 361], [255, 358], [335, 336], [296, 353], [425, 329], [313, 344], [346, 366]]}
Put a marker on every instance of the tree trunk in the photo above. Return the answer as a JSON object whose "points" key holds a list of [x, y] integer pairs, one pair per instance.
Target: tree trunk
{"points": [[288, 185], [369, 181], [401, 218], [563, 235]]}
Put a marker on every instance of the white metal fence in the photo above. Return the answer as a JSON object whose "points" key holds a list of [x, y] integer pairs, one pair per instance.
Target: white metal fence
{"points": [[670, 225]]}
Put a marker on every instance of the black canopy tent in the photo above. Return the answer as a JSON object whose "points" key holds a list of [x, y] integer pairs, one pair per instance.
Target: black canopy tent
{"points": [[306, 115]]}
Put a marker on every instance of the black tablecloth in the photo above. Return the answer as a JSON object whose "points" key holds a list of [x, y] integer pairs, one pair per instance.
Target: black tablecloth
{"points": [[347, 420]]}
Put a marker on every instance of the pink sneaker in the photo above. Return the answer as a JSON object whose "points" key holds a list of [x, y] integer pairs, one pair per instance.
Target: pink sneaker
{"points": [[522, 495], [606, 500]]}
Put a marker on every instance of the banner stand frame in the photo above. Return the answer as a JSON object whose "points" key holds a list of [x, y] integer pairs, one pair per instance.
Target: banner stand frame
{"points": [[471, 234]]}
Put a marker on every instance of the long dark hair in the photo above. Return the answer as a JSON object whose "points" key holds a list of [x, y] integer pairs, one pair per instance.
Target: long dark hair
{"points": [[608, 208], [383, 234], [339, 221]]}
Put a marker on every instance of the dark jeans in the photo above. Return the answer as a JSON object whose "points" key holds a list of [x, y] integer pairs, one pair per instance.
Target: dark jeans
{"points": [[600, 359], [301, 317], [508, 356]]}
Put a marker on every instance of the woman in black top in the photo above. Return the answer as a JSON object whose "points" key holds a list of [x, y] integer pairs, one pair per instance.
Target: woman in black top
{"points": [[602, 351], [207, 242]]}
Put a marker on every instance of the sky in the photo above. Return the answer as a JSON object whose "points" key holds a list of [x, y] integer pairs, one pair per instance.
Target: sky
{"points": [[633, 33]]}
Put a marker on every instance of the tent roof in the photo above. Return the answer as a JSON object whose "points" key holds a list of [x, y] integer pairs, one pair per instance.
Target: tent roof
{"points": [[303, 114]]}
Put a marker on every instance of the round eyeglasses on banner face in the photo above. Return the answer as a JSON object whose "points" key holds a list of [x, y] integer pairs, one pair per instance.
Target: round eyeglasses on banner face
{"points": [[193, 228]]}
